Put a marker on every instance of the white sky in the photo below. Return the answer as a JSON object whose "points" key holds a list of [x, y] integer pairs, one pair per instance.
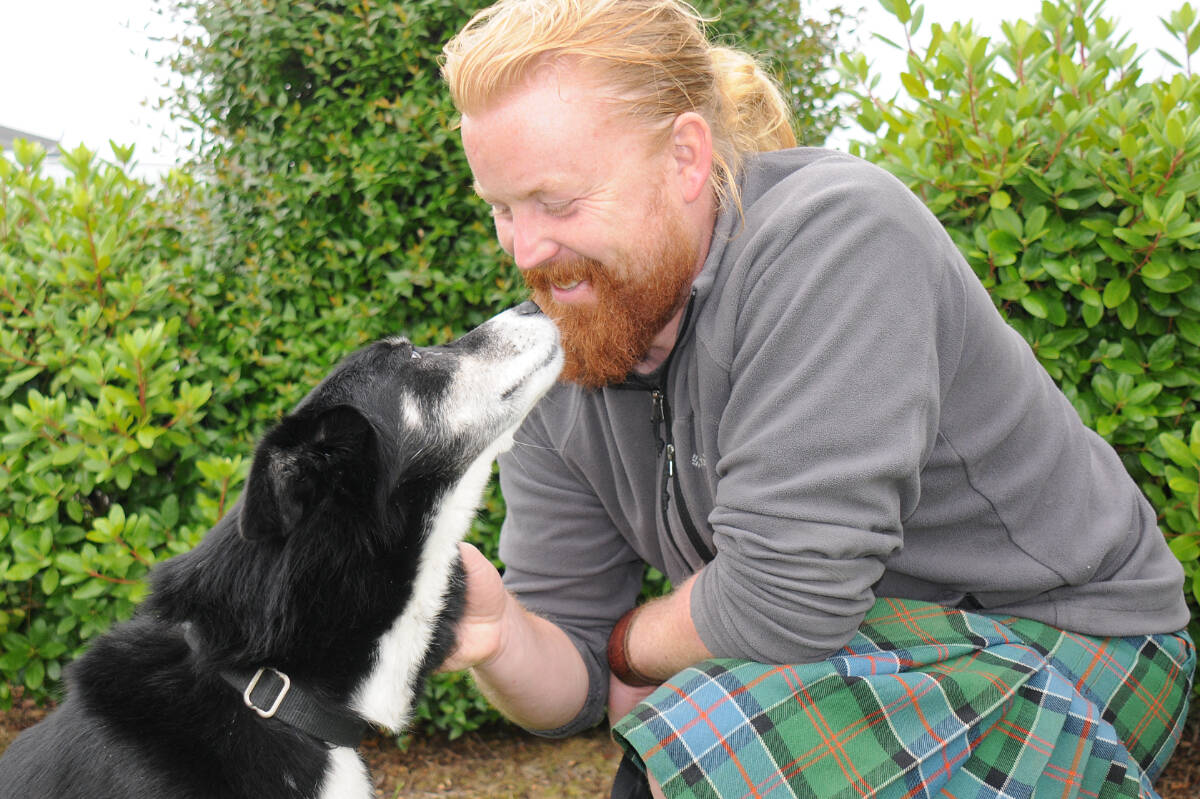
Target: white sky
{"points": [[82, 71]]}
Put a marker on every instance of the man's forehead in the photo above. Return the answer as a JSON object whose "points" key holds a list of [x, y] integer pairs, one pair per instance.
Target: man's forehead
{"points": [[554, 135], [534, 153]]}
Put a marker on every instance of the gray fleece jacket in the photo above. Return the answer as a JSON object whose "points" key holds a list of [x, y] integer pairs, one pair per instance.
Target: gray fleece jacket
{"points": [[845, 416]]}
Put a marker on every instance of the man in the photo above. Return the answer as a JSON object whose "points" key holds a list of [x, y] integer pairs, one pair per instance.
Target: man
{"points": [[787, 391]]}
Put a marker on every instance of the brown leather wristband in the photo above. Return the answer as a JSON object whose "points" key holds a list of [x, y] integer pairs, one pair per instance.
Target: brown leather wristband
{"points": [[618, 653]]}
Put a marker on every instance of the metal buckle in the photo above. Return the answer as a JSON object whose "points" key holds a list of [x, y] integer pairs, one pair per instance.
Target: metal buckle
{"points": [[266, 714]]}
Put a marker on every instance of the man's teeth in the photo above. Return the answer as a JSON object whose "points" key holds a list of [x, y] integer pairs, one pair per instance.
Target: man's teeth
{"points": [[567, 286]]}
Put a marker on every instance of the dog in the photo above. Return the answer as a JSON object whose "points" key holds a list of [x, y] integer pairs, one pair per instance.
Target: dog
{"points": [[318, 605]]}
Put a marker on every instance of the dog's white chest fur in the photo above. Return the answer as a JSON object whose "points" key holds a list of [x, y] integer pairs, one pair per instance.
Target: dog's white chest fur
{"points": [[386, 697], [346, 777]]}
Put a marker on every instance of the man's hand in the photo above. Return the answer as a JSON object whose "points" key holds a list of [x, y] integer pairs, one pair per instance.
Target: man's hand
{"points": [[525, 666], [480, 632], [623, 698]]}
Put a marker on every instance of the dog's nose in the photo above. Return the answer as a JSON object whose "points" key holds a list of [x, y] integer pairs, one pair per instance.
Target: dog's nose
{"points": [[528, 308]]}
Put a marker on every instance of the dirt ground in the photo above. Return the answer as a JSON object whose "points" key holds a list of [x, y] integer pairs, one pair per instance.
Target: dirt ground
{"points": [[505, 764]]}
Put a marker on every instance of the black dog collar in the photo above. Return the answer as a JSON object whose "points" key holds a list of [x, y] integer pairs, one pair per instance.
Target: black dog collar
{"points": [[272, 694]]}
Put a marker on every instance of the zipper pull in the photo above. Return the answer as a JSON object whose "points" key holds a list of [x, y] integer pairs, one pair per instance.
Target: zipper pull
{"points": [[657, 416], [671, 460]]}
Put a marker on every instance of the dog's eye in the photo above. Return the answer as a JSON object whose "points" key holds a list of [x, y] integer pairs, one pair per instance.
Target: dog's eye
{"points": [[416, 356]]}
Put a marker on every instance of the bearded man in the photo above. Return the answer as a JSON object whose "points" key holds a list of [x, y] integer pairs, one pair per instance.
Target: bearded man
{"points": [[901, 563]]}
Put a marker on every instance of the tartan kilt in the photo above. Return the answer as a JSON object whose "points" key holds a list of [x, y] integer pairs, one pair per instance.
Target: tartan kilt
{"points": [[925, 700]]}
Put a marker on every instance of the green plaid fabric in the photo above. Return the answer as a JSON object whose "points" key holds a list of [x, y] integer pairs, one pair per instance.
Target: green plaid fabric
{"points": [[924, 701]]}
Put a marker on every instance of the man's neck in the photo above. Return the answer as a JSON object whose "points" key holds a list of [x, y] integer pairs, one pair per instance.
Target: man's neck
{"points": [[662, 345]]}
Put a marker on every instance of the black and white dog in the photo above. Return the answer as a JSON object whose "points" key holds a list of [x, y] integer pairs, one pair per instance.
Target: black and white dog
{"points": [[317, 605]]}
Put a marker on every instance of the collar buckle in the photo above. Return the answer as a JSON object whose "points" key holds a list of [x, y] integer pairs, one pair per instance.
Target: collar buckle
{"points": [[247, 695]]}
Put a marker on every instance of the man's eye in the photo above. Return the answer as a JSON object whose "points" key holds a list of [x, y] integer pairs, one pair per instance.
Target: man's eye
{"points": [[557, 209]]}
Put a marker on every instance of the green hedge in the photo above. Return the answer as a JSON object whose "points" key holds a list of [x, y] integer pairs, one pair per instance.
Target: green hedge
{"points": [[106, 465], [1072, 185]]}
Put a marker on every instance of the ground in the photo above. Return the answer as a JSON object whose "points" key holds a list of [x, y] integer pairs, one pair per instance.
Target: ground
{"points": [[504, 764]]}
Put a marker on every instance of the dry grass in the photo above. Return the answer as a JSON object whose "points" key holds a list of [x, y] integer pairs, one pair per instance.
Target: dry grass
{"points": [[499, 764]]}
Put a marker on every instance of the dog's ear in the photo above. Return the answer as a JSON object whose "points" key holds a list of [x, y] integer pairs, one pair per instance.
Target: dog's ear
{"points": [[298, 463]]}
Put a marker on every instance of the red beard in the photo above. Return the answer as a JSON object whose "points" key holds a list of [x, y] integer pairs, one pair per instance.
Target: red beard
{"points": [[604, 340]]}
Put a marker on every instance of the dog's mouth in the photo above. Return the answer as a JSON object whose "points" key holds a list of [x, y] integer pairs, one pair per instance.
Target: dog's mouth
{"points": [[547, 363]]}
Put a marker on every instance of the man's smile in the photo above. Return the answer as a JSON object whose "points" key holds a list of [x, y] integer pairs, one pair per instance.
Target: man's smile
{"points": [[572, 291]]}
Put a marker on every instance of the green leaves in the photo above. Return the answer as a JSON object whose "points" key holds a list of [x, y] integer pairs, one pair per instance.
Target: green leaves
{"points": [[103, 405], [1116, 291], [1181, 470], [1184, 26], [35, 656]]}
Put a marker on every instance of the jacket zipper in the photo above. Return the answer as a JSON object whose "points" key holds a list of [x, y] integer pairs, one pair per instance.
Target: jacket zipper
{"points": [[661, 417]]}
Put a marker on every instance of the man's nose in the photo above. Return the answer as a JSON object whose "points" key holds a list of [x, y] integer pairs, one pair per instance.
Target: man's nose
{"points": [[532, 244]]}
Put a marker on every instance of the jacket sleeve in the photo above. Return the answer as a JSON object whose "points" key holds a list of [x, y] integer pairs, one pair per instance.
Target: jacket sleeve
{"points": [[563, 558], [834, 368]]}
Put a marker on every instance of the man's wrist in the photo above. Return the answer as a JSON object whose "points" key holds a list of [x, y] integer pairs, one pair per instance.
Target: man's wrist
{"points": [[619, 662]]}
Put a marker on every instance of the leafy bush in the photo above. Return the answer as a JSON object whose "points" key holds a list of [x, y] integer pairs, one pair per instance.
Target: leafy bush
{"points": [[1072, 186], [105, 467]]}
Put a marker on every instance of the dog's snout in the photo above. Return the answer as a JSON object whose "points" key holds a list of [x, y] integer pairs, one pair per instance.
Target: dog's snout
{"points": [[528, 308]]}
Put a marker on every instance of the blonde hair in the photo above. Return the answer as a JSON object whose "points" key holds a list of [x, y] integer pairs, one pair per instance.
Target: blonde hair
{"points": [[653, 54]]}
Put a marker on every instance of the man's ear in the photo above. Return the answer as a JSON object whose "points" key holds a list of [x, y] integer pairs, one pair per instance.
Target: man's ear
{"points": [[692, 149], [301, 461]]}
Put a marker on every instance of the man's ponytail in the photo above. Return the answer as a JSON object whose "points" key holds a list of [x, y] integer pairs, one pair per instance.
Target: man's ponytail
{"points": [[752, 115]]}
